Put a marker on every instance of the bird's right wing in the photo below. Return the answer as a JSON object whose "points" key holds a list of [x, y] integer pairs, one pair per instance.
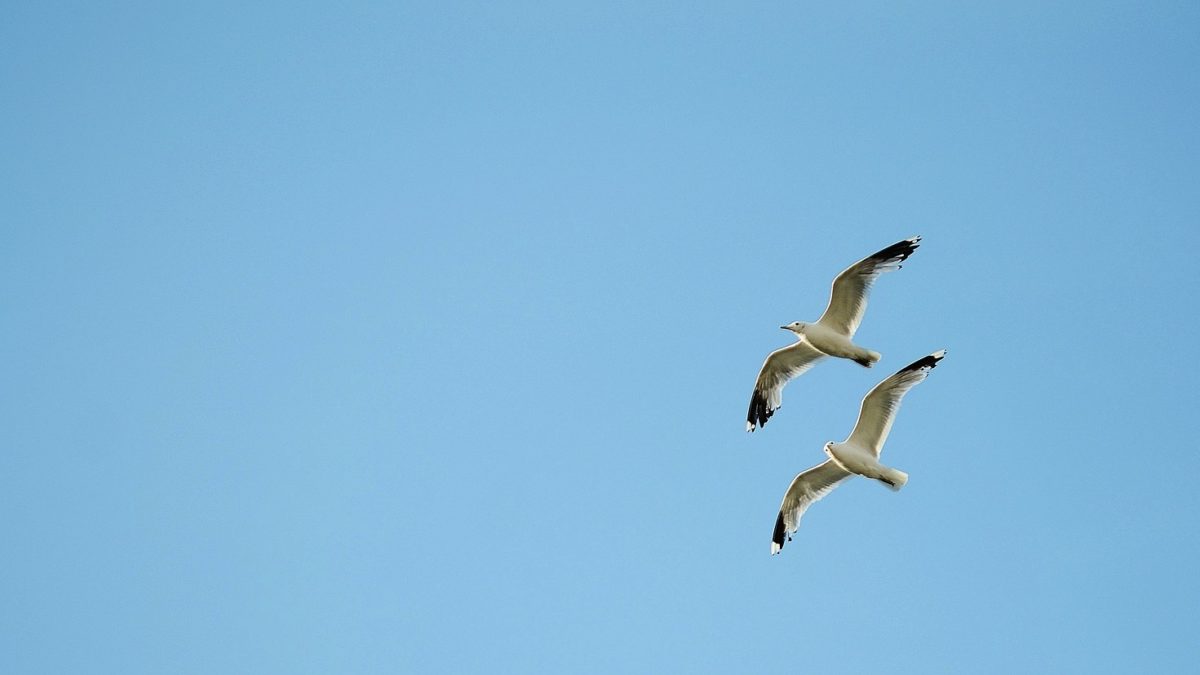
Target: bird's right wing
{"points": [[781, 366], [880, 405], [806, 488]]}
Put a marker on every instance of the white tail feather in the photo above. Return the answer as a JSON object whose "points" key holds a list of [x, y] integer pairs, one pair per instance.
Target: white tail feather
{"points": [[893, 478]]}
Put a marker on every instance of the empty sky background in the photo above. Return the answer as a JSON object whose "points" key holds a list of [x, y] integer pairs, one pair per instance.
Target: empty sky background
{"points": [[418, 337]]}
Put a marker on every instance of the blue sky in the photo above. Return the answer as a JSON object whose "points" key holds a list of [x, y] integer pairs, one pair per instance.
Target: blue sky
{"points": [[418, 337]]}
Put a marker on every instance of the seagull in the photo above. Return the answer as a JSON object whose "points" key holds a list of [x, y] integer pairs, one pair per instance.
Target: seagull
{"points": [[830, 336], [858, 454]]}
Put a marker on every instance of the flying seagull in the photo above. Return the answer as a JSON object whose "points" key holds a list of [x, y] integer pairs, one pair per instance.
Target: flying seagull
{"points": [[831, 335], [858, 454]]}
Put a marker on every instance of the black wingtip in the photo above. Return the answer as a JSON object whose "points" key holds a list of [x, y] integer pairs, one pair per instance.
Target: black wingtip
{"points": [[759, 413], [930, 361], [779, 535], [900, 250]]}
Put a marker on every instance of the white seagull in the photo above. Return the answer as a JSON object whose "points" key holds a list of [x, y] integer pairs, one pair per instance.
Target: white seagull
{"points": [[831, 335], [858, 454]]}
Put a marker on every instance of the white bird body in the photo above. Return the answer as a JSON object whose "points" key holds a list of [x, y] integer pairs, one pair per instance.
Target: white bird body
{"points": [[858, 454], [831, 335], [832, 342], [857, 459]]}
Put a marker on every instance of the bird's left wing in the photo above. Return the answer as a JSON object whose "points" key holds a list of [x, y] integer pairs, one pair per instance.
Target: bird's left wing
{"points": [[806, 488], [880, 405], [848, 299]]}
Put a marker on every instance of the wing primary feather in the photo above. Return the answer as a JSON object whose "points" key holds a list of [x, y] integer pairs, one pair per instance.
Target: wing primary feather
{"points": [[780, 533], [898, 251], [759, 413], [929, 361]]}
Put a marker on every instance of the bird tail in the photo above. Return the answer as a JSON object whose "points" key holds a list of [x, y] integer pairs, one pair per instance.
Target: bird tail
{"points": [[867, 358], [893, 478]]}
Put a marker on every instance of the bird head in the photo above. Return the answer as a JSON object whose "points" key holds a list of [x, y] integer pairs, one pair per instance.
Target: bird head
{"points": [[796, 327]]}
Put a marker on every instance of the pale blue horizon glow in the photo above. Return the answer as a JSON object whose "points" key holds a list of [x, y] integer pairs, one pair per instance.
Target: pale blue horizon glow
{"points": [[418, 337]]}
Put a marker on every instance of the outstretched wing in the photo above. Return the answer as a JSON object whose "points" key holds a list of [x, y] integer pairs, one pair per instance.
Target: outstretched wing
{"points": [[880, 405], [848, 299], [780, 367], [806, 488]]}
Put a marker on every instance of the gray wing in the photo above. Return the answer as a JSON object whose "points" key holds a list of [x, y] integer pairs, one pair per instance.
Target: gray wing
{"points": [[880, 405], [781, 366], [806, 488], [848, 299]]}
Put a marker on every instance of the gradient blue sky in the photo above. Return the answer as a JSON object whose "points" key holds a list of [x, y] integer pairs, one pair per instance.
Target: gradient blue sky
{"points": [[418, 337]]}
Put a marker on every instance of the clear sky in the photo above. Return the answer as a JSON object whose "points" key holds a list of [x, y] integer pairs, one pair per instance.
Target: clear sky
{"points": [[418, 337]]}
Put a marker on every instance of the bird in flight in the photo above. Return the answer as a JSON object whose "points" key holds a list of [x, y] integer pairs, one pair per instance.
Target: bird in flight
{"points": [[858, 454], [831, 335]]}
